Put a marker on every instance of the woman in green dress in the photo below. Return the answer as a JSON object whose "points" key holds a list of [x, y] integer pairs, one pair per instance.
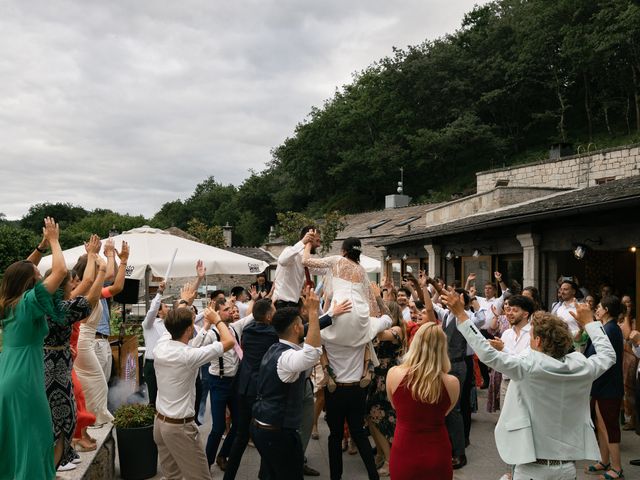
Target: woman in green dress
{"points": [[26, 433]]}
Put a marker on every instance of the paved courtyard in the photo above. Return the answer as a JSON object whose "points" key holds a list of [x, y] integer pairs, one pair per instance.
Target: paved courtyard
{"points": [[484, 461]]}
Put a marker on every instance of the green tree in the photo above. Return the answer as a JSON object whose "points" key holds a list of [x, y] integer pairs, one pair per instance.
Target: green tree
{"points": [[291, 223], [211, 235], [16, 243], [64, 213]]}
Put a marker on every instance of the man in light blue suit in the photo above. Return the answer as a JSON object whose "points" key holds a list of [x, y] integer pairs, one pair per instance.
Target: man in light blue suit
{"points": [[545, 425]]}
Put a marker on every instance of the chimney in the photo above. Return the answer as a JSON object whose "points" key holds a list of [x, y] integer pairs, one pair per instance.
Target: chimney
{"points": [[396, 201], [227, 233]]}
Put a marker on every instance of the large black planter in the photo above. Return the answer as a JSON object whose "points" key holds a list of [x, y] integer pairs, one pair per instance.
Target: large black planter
{"points": [[137, 452]]}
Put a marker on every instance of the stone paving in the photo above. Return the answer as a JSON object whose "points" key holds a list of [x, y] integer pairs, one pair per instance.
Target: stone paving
{"points": [[484, 462]]}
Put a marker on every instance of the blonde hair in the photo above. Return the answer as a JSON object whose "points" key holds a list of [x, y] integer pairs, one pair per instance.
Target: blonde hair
{"points": [[426, 361]]}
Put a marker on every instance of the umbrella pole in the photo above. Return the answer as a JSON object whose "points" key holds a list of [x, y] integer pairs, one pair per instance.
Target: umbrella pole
{"points": [[147, 282]]}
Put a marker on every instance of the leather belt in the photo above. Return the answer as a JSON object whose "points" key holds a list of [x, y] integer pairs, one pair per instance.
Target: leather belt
{"points": [[262, 426], [175, 421], [544, 461], [102, 336], [350, 384]]}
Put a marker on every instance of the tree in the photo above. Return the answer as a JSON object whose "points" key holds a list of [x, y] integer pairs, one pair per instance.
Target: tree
{"points": [[291, 223], [210, 235], [16, 243], [64, 213]]}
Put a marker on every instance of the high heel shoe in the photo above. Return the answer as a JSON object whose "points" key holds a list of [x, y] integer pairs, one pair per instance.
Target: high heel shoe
{"points": [[383, 471]]}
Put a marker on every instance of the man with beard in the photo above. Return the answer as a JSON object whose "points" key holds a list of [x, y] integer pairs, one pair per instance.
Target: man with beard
{"points": [[278, 408], [566, 305], [515, 340]]}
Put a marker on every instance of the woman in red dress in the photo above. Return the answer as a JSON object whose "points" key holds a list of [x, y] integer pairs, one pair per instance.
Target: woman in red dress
{"points": [[423, 394]]}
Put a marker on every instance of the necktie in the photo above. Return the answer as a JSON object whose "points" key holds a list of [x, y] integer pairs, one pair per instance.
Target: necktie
{"points": [[237, 349]]}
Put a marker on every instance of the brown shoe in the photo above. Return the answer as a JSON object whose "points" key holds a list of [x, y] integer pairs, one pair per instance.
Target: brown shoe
{"points": [[311, 472], [222, 462]]}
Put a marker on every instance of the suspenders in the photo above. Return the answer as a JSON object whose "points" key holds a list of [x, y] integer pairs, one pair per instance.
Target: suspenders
{"points": [[220, 359]]}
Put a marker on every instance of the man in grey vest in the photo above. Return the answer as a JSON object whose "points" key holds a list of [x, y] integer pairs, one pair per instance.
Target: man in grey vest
{"points": [[457, 348], [278, 408]]}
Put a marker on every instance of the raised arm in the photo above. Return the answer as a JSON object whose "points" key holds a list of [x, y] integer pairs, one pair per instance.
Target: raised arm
{"points": [[40, 250], [201, 272], [471, 278], [92, 247], [605, 356], [51, 232], [319, 263], [96, 288], [110, 253], [154, 308], [118, 283], [423, 280]]}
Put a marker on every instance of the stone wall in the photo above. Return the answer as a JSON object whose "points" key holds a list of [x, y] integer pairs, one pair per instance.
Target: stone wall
{"points": [[484, 202], [576, 171]]}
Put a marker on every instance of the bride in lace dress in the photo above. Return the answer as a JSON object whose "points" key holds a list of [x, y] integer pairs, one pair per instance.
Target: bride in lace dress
{"points": [[347, 280]]}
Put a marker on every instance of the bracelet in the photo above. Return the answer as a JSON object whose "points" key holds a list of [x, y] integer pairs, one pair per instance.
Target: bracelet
{"points": [[216, 324], [41, 250]]}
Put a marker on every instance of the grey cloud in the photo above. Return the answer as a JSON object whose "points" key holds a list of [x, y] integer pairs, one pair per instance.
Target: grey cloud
{"points": [[129, 104]]}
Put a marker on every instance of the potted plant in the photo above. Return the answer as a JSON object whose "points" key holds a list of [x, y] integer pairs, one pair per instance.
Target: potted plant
{"points": [[136, 449]]}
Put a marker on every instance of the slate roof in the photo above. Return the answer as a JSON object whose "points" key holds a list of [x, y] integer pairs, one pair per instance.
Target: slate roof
{"points": [[392, 222], [254, 252], [623, 192]]}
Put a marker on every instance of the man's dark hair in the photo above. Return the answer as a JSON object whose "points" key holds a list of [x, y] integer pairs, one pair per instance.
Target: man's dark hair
{"points": [[215, 293], [419, 304], [572, 284], [465, 296], [261, 309], [237, 290], [612, 304], [353, 248], [284, 318], [177, 321], [406, 291], [219, 303], [525, 303], [535, 293], [306, 228]]}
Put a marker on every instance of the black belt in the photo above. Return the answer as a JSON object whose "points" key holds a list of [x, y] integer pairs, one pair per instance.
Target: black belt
{"points": [[102, 336], [285, 303], [544, 461]]}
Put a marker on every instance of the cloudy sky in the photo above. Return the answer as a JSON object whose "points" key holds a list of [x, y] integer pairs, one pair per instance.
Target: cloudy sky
{"points": [[129, 104]]}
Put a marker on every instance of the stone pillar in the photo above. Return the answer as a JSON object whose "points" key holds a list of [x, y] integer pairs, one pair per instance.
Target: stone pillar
{"points": [[530, 243], [435, 259], [383, 262], [227, 233]]}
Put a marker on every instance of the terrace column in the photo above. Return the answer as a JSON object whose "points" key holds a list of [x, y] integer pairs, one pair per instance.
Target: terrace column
{"points": [[530, 243], [435, 259]]}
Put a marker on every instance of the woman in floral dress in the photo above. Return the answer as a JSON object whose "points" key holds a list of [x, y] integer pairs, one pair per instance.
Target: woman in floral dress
{"points": [[382, 417]]}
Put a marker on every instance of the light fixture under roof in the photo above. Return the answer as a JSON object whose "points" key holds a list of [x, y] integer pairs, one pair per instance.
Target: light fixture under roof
{"points": [[579, 252], [449, 255]]}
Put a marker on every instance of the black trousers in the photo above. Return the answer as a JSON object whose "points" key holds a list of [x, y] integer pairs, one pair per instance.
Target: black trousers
{"points": [[348, 403], [453, 421], [280, 452], [484, 370], [465, 396], [150, 380], [245, 414]]}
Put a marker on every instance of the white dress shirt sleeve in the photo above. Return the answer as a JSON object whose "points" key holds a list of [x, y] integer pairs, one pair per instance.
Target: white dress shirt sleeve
{"points": [[196, 357], [150, 318], [380, 324], [478, 318], [203, 337], [293, 362], [441, 312], [240, 325], [289, 254]]}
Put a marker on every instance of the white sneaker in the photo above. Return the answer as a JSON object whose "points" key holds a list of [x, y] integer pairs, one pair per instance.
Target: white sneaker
{"points": [[76, 461], [65, 467]]}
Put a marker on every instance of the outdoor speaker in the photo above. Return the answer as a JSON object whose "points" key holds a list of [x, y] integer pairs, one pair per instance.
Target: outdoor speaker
{"points": [[129, 293]]}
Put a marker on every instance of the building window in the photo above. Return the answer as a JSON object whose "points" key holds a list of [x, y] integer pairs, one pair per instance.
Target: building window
{"points": [[603, 180]]}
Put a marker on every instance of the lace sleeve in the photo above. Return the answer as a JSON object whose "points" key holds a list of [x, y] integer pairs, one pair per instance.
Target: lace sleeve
{"points": [[320, 263], [374, 309]]}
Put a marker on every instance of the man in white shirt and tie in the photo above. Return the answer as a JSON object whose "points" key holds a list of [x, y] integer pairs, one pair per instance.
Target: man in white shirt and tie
{"points": [[290, 273], [176, 364]]}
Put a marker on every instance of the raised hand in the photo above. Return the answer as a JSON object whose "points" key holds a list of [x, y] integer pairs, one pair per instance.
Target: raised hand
{"points": [[51, 230], [453, 301], [201, 269], [583, 314], [311, 301], [471, 277], [253, 292], [423, 279], [376, 289], [123, 254], [211, 317], [188, 293], [498, 276], [93, 245], [162, 286], [634, 336], [494, 310], [109, 248]]}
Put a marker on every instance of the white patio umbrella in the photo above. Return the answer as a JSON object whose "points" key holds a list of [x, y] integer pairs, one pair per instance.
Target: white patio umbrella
{"points": [[154, 248], [370, 265]]}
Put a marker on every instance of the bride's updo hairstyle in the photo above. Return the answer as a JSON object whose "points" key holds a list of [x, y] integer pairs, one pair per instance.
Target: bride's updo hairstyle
{"points": [[352, 248]]}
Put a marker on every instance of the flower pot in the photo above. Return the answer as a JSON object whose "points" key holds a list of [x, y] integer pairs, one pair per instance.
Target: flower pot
{"points": [[137, 452]]}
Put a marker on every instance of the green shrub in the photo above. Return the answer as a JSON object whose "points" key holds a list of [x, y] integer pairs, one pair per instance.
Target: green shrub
{"points": [[134, 416]]}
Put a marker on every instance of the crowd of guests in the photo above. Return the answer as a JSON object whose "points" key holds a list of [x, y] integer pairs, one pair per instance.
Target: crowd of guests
{"points": [[397, 364]]}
